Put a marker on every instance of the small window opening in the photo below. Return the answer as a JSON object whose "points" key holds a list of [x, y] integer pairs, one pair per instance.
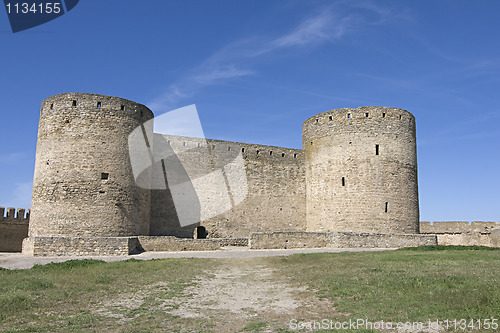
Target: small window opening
{"points": [[102, 192], [400, 117], [311, 143], [51, 106], [199, 145], [98, 104], [184, 143], [386, 206], [242, 150], [257, 152], [348, 116], [331, 118], [104, 176], [343, 181], [270, 152], [228, 148], [141, 113], [282, 154], [213, 147], [74, 102], [294, 155], [366, 115], [383, 115], [376, 149], [317, 119], [168, 141], [122, 107]]}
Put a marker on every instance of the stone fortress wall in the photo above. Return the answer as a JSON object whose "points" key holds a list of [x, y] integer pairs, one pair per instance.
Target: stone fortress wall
{"points": [[463, 233], [13, 228], [275, 186], [353, 184]]}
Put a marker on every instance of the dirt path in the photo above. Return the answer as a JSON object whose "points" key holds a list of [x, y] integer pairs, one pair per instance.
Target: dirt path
{"points": [[22, 261], [236, 295]]}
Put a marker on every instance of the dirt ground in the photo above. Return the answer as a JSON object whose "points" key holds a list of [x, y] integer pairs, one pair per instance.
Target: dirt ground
{"points": [[234, 296]]}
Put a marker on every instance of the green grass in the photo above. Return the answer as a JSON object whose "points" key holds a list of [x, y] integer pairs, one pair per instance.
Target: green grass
{"points": [[254, 326], [59, 297], [450, 248], [413, 284], [405, 285]]}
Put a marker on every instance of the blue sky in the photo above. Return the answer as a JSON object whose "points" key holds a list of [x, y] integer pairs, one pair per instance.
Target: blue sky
{"points": [[257, 69]]}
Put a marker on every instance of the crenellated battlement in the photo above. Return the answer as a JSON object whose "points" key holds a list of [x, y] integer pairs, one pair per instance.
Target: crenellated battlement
{"points": [[228, 149], [13, 215], [457, 227]]}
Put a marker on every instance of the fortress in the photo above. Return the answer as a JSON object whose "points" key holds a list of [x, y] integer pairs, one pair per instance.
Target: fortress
{"points": [[354, 184]]}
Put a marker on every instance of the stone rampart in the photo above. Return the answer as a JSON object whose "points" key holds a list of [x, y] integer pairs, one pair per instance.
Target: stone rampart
{"points": [[13, 228], [275, 189]]}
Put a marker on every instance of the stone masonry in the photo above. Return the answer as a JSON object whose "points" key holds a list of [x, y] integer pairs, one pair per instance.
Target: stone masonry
{"points": [[353, 184]]}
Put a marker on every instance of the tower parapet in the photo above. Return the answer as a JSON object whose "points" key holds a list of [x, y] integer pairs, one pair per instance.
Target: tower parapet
{"points": [[361, 171]]}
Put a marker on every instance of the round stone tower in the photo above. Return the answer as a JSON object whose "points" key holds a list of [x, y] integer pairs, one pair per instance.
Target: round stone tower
{"points": [[361, 171], [83, 183]]}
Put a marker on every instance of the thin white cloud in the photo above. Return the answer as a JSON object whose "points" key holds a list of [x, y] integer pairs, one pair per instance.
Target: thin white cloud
{"points": [[321, 28], [232, 61], [222, 73], [168, 99]]}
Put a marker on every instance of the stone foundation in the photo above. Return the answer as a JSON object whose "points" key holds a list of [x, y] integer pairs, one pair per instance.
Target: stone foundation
{"points": [[81, 246], [113, 246], [291, 240]]}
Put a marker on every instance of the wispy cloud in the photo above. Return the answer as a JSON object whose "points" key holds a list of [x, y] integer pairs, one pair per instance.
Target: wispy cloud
{"points": [[234, 60], [221, 73], [325, 27]]}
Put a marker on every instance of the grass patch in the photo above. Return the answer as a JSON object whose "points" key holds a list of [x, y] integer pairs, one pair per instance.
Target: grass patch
{"points": [[408, 285], [450, 248], [255, 326], [132, 296], [63, 297]]}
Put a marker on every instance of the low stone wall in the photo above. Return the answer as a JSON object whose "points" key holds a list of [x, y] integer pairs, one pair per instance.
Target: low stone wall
{"points": [[80, 246], [491, 239], [290, 240], [171, 243]]}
